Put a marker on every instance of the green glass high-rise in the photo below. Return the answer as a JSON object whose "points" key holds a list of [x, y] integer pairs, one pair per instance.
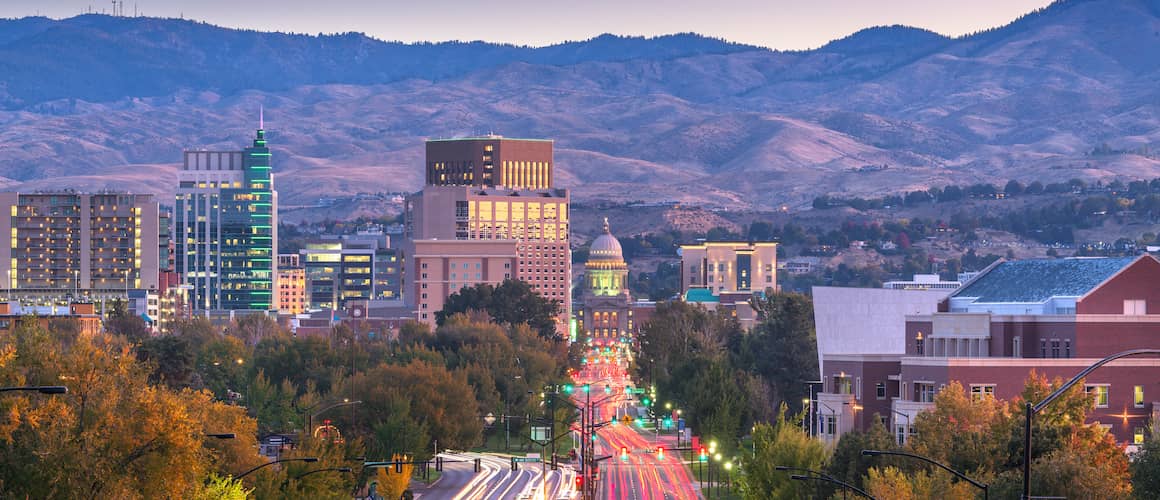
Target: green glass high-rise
{"points": [[225, 228]]}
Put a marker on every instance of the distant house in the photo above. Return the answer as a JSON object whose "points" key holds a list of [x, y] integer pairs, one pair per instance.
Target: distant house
{"points": [[801, 265]]}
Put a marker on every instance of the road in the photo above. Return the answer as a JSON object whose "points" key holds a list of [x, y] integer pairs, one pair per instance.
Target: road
{"points": [[496, 481], [641, 475]]}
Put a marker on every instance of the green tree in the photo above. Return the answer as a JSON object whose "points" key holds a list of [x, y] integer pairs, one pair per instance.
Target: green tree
{"points": [[1146, 470], [513, 302], [782, 347], [781, 443]]}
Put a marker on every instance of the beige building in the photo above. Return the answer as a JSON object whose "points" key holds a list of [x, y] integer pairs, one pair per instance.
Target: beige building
{"points": [[729, 266], [291, 285], [439, 268], [90, 245], [504, 193]]}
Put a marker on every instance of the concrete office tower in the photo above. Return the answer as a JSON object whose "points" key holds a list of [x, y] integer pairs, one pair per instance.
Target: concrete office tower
{"points": [[724, 267], [492, 188], [226, 228], [78, 245]]}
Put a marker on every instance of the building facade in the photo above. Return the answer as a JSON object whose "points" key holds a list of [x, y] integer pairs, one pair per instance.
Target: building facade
{"points": [[729, 266], [606, 311], [508, 195], [291, 285], [352, 267], [65, 246], [226, 228], [1054, 317], [440, 268]]}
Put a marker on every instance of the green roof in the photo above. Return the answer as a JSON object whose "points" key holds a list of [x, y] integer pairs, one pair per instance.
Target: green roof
{"points": [[701, 295], [488, 138], [1037, 280]]}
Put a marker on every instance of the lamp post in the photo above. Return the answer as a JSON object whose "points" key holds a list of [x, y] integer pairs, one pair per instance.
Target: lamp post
{"points": [[43, 389], [960, 475], [1031, 410], [810, 387], [828, 479], [299, 459], [837, 422]]}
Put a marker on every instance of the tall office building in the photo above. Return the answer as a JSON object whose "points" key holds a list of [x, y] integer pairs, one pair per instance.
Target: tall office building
{"points": [[492, 188], [226, 228], [68, 245], [350, 267]]}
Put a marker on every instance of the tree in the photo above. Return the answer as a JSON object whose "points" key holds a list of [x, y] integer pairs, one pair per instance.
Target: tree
{"points": [[1013, 188], [513, 302], [847, 463], [1146, 469], [893, 483], [782, 347], [392, 484], [781, 443], [222, 488]]}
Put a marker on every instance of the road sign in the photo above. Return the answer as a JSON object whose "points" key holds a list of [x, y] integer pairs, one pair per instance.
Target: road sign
{"points": [[541, 433], [524, 460]]}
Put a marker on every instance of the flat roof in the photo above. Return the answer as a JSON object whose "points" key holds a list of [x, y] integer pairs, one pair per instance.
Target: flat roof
{"points": [[488, 138]]}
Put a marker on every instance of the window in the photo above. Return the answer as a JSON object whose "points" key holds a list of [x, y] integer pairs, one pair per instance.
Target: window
{"points": [[1138, 396], [918, 344], [423, 265], [880, 390], [1067, 348], [1055, 348], [980, 391], [1100, 394], [831, 425], [924, 392], [1043, 348], [1138, 435], [842, 385], [1133, 307], [900, 431]]}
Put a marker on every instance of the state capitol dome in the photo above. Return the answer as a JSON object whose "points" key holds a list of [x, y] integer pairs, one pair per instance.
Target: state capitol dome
{"points": [[605, 248]]}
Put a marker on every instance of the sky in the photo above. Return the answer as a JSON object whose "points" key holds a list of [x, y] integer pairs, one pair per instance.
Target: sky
{"points": [[777, 24]]}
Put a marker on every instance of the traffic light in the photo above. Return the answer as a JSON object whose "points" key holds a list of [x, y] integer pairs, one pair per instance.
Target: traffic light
{"points": [[660, 453], [579, 482], [639, 422], [612, 422], [645, 401], [567, 388], [703, 455], [607, 389], [624, 453], [668, 422], [587, 388]]}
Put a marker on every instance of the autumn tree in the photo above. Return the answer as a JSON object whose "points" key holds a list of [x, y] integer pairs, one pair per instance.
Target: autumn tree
{"points": [[893, 483], [513, 302]]}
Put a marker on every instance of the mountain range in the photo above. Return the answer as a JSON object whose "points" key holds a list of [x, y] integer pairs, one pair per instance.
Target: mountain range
{"points": [[95, 102]]}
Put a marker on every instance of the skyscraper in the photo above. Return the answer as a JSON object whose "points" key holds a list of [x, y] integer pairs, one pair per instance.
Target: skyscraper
{"points": [[493, 188], [226, 228], [96, 246]]}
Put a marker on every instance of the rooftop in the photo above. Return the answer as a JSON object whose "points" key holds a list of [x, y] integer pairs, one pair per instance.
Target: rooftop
{"points": [[701, 295], [1037, 280], [487, 138]]}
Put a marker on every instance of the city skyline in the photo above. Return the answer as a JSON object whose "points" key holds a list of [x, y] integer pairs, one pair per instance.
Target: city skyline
{"points": [[779, 25]]}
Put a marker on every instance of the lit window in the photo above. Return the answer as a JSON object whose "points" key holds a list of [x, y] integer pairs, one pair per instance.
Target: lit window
{"points": [[1138, 436], [1099, 393], [978, 392], [1138, 396]]}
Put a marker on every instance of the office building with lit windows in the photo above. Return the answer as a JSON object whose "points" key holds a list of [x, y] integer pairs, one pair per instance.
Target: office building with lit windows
{"points": [[67, 246], [443, 267], [225, 228], [494, 188], [291, 285]]}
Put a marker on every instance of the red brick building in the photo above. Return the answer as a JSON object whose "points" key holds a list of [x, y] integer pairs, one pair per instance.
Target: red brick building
{"points": [[1055, 317]]}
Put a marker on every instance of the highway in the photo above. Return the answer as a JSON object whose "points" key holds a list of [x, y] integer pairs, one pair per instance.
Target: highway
{"points": [[497, 481]]}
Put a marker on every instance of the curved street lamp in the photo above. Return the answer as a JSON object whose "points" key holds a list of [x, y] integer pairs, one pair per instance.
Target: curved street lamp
{"points": [[960, 475], [43, 389], [820, 476], [299, 459], [1033, 409]]}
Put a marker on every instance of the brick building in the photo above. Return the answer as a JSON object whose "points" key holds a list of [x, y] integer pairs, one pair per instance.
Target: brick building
{"points": [[1055, 317]]}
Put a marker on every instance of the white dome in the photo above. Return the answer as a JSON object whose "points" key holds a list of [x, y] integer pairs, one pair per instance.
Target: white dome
{"points": [[605, 247]]}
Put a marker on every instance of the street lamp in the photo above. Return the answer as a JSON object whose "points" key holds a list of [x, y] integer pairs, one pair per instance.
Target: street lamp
{"points": [[1031, 410], [43, 389], [299, 459], [828, 479], [960, 475]]}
